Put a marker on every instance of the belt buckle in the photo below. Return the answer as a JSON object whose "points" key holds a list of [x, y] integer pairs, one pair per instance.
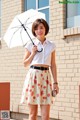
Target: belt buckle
{"points": [[42, 68]]}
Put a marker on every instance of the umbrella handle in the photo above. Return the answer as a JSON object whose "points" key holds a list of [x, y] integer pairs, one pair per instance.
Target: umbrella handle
{"points": [[40, 50]]}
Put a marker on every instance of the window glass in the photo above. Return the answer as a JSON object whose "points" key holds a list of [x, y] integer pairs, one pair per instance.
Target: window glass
{"points": [[42, 3], [78, 10], [30, 4], [46, 11], [73, 15], [71, 10]]}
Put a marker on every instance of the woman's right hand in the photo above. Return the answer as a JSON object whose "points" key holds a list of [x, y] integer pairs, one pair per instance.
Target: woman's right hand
{"points": [[34, 49], [28, 57]]}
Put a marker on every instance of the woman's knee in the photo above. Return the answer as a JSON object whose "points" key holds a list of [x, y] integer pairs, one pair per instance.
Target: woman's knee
{"points": [[33, 112], [45, 111]]}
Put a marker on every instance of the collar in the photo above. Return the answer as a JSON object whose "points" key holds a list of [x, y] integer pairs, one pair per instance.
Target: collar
{"points": [[37, 41]]}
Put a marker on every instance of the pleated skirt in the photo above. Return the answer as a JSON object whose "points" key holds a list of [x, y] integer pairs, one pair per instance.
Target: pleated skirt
{"points": [[37, 87]]}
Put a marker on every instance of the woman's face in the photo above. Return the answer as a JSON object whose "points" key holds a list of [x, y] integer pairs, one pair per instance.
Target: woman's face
{"points": [[40, 31]]}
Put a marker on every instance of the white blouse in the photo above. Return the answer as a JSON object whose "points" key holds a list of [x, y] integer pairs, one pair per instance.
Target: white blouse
{"points": [[43, 57]]}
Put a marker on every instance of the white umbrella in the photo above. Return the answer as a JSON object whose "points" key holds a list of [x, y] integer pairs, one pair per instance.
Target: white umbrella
{"points": [[20, 29]]}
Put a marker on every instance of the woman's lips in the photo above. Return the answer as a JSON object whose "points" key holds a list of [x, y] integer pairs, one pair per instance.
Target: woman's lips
{"points": [[40, 33]]}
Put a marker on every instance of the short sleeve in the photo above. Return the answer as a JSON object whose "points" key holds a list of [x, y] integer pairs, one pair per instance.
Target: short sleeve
{"points": [[53, 46], [28, 46]]}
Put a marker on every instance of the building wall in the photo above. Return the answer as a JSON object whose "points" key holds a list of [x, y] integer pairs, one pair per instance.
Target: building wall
{"points": [[66, 104]]}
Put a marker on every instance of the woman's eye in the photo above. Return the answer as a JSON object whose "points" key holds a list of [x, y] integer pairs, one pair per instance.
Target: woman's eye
{"points": [[41, 27], [36, 29]]}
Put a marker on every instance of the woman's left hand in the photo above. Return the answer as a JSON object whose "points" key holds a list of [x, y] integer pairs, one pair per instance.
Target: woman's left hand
{"points": [[55, 87]]}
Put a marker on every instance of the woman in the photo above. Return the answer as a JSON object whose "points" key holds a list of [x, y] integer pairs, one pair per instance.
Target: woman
{"points": [[38, 85]]}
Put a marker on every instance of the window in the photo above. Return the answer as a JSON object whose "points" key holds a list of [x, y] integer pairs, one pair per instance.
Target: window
{"points": [[38, 5], [73, 15], [0, 18]]}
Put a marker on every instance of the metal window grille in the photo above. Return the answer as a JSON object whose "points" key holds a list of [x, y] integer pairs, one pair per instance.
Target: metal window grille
{"points": [[4, 115]]}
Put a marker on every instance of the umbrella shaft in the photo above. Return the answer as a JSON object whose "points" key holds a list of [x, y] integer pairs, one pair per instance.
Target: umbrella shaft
{"points": [[28, 34]]}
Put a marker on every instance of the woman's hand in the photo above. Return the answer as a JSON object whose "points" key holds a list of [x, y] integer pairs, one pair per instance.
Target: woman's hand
{"points": [[34, 50], [56, 88], [28, 57]]}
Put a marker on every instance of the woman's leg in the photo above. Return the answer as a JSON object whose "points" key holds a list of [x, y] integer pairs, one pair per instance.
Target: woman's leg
{"points": [[33, 112], [45, 111]]}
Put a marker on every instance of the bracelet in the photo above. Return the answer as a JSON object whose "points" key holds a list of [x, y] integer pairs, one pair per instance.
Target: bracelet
{"points": [[55, 83]]}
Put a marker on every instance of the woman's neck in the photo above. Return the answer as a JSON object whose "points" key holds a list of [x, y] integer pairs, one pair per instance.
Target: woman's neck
{"points": [[42, 40]]}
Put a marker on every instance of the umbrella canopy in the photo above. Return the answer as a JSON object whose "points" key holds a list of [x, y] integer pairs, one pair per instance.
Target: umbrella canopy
{"points": [[20, 29]]}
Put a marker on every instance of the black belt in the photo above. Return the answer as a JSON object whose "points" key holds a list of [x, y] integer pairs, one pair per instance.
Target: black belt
{"points": [[39, 68]]}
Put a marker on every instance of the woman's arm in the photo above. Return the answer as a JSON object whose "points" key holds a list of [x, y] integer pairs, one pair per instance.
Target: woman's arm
{"points": [[53, 66], [28, 57], [54, 71]]}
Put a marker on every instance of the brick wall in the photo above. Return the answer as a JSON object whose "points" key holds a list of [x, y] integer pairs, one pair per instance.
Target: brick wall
{"points": [[11, 60], [66, 104]]}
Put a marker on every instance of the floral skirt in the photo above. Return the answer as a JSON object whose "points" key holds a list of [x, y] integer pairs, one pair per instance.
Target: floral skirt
{"points": [[37, 87]]}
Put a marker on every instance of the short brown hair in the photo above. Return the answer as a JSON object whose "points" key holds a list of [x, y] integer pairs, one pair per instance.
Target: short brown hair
{"points": [[37, 22]]}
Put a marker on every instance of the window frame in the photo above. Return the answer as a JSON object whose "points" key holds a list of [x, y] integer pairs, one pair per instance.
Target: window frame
{"points": [[68, 31], [38, 9]]}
